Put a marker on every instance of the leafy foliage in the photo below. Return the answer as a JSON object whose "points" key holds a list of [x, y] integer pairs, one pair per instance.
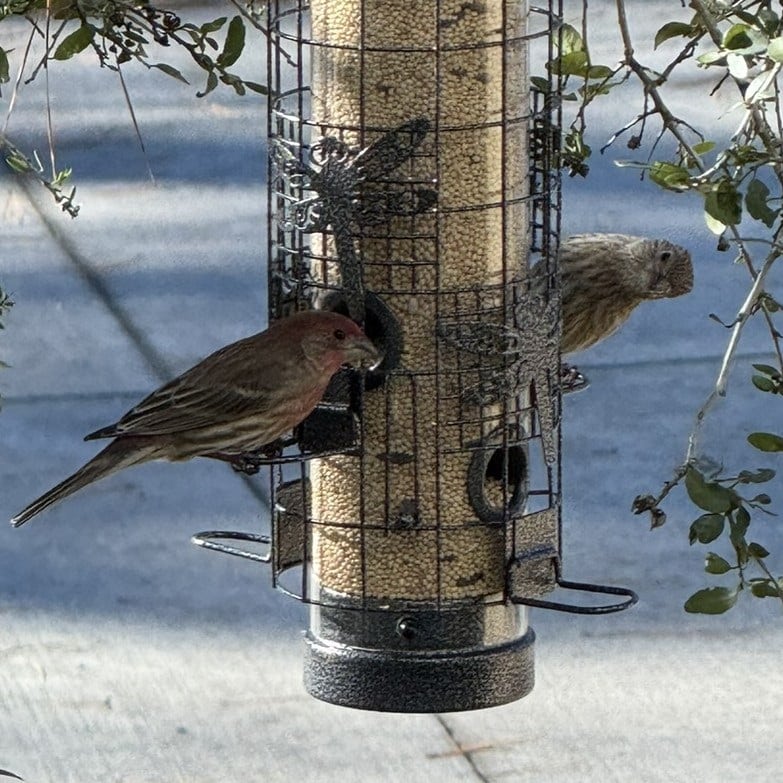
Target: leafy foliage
{"points": [[748, 48], [118, 32], [729, 520], [740, 183], [21, 164]]}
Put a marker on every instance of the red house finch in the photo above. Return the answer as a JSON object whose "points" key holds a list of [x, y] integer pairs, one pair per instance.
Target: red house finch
{"points": [[237, 400], [605, 276]]}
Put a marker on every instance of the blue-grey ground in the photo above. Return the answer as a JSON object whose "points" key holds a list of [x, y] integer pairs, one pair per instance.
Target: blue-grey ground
{"points": [[128, 655]]}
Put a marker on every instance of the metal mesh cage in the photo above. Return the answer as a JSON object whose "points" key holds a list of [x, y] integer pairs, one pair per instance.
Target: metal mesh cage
{"points": [[414, 185], [402, 191]]}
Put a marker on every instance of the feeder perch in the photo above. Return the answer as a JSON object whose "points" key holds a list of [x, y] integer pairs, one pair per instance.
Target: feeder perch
{"points": [[414, 186]]}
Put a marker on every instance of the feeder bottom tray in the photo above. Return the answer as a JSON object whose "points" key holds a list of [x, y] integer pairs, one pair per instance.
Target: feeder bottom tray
{"points": [[461, 658]]}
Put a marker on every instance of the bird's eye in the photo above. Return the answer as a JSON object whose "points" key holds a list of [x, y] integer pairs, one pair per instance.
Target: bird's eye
{"points": [[666, 255], [339, 334]]}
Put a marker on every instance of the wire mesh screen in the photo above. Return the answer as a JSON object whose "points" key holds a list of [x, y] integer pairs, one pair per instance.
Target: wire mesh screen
{"points": [[414, 187]]}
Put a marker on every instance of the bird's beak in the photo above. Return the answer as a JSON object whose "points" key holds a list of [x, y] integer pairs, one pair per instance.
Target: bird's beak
{"points": [[362, 353]]}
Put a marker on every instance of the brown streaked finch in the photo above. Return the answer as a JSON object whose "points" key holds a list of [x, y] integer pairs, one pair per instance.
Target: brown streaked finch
{"points": [[238, 400], [605, 276]]}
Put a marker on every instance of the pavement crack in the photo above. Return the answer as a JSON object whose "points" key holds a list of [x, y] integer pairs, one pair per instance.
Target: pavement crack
{"points": [[463, 750]]}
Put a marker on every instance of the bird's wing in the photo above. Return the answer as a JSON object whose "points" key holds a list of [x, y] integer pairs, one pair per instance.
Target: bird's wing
{"points": [[218, 389], [179, 407]]}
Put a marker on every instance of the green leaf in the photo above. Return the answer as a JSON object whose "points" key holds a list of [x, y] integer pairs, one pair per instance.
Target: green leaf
{"points": [[234, 43], [599, 72], [744, 154], [203, 61], [233, 81], [715, 564], [4, 74], [708, 495], [763, 383], [569, 40], [765, 588], [756, 201], [741, 520], [723, 203], [669, 176], [763, 499], [18, 163], [703, 147], [593, 89], [571, 64], [739, 523], [212, 82], [170, 70], [769, 19], [756, 550], [213, 26], [715, 226], [737, 37], [756, 477], [540, 83], [746, 17], [766, 441], [710, 58], [767, 369], [74, 43], [706, 528], [775, 50], [672, 30], [712, 600]]}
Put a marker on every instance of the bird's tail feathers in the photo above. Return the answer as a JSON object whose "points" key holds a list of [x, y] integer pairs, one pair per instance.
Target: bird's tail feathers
{"points": [[121, 453]]}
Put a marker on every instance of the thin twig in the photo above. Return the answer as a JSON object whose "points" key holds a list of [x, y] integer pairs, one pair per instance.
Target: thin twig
{"points": [[49, 126], [136, 127], [743, 314], [651, 86], [18, 82], [708, 21], [763, 566]]}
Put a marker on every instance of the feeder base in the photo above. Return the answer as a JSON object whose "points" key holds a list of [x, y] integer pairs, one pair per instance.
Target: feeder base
{"points": [[418, 680]]}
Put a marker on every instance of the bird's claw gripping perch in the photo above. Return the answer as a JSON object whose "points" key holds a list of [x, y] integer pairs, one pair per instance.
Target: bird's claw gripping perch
{"points": [[572, 379], [251, 462]]}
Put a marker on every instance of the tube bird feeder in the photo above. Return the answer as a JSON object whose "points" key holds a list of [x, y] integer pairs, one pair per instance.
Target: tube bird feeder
{"points": [[414, 186]]}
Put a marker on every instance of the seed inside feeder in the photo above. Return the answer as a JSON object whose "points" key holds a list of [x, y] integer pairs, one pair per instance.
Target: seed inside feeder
{"points": [[456, 262]]}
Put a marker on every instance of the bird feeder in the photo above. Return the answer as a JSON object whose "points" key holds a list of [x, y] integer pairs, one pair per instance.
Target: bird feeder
{"points": [[413, 185]]}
